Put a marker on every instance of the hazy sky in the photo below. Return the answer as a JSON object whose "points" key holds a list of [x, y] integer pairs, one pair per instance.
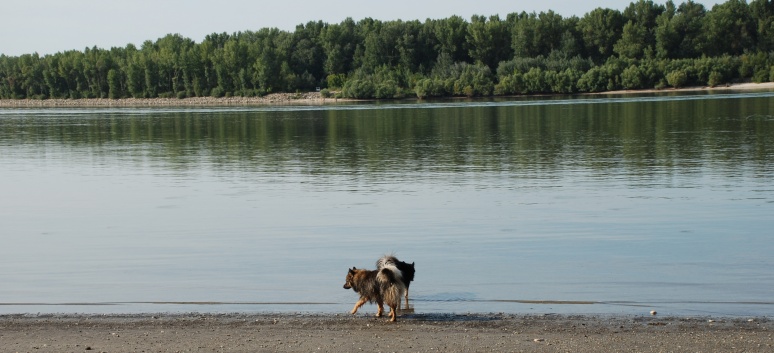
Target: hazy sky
{"points": [[50, 26]]}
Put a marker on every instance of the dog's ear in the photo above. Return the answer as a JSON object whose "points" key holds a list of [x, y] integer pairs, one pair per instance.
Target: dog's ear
{"points": [[352, 270]]}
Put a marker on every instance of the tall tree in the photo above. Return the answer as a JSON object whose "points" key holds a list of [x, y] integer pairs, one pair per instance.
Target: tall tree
{"points": [[762, 12], [538, 34], [667, 37], [306, 58], [639, 32], [601, 29], [729, 29], [489, 40], [339, 42], [450, 35]]}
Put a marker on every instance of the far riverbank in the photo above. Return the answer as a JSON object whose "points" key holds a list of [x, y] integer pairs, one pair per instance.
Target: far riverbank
{"points": [[309, 98]]}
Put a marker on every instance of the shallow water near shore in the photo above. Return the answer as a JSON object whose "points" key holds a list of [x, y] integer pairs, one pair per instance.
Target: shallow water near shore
{"points": [[612, 204]]}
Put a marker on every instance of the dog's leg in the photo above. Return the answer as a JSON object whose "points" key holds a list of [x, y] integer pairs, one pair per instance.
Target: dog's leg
{"points": [[407, 304], [359, 303], [393, 313], [379, 308]]}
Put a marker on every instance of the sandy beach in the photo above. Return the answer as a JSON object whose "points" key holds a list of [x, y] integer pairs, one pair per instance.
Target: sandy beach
{"points": [[364, 333], [309, 98], [749, 86]]}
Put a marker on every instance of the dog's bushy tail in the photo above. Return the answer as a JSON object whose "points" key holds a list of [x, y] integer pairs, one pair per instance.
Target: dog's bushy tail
{"points": [[386, 260], [392, 286]]}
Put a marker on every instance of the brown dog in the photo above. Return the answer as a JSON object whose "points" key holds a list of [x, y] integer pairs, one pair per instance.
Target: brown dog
{"points": [[381, 286]]}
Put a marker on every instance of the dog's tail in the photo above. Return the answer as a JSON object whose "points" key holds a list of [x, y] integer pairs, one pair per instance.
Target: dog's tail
{"points": [[386, 260], [391, 284]]}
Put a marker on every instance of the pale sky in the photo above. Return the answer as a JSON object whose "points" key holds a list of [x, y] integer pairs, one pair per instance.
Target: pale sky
{"points": [[50, 26]]}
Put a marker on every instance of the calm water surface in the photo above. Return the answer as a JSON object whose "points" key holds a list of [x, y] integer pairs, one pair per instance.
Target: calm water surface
{"points": [[577, 205]]}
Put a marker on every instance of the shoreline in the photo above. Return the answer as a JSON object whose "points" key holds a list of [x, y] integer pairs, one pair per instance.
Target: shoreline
{"points": [[309, 98], [412, 332], [748, 86]]}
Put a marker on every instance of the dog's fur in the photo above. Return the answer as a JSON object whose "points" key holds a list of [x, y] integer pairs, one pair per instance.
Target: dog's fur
{"points": [[381, 286], [406, 270]]}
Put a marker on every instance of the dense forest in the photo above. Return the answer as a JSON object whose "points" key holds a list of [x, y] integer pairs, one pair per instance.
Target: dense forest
{"points": [[648, 45]]}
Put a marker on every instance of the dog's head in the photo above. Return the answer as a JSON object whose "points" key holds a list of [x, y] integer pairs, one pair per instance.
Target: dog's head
{"points": [[349, 282], [410, 271]]}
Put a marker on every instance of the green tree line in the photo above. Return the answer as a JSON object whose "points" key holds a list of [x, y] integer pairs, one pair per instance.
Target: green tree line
{"points": [[647, 45]]}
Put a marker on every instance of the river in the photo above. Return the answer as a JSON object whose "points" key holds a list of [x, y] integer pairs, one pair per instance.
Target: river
{"points": [[609, 204]]}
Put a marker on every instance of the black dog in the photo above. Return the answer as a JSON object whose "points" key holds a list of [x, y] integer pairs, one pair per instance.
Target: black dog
{"points": [[406, 270]]}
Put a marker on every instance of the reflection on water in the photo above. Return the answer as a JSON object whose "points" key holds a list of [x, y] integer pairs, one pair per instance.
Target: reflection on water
{"points": [[561, 205]]}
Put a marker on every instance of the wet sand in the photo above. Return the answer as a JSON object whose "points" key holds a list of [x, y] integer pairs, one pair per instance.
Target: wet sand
{"points": [[364, 333], [309, 98]]}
